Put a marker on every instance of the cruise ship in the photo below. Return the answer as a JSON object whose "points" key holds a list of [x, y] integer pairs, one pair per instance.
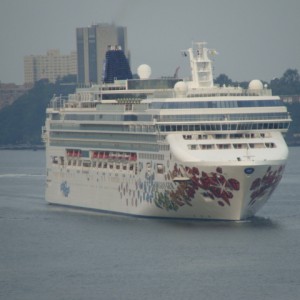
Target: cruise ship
{"points": [[166, 148]]}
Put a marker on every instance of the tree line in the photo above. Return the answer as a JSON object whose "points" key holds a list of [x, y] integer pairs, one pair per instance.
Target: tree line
{"points": [[21, 122], [287, 84]]}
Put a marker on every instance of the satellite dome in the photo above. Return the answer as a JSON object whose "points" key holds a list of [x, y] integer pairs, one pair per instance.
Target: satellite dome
{"points": [[255, 85], [144, 71], [180, 89]]}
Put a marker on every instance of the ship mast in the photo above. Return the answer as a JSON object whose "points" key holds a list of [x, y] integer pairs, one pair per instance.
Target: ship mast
{"points": [[201, 66]]}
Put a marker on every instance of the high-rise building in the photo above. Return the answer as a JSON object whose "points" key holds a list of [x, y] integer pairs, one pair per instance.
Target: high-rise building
{"points": [[49, 66], [92, 44]]}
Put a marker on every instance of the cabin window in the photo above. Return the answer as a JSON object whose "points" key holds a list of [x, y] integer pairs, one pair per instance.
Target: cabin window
{"points": [[270, 145], [237, 146], [207, 147], [86, 164], [224, 146]]}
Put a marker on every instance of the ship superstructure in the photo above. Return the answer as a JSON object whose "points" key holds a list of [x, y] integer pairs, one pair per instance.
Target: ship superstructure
{"points": [[167, 148]]}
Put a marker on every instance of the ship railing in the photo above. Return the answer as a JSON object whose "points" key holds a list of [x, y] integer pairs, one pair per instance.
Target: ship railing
{"points": [[57, 102], [162, 94], [212, 92], [229, 92]]}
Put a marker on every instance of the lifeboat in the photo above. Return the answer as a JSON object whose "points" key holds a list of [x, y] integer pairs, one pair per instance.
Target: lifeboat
{"points": [[105, 155], [133, 157], [126, 156]]}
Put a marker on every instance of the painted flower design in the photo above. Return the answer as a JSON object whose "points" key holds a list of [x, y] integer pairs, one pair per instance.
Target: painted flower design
{"points": [[214, 185], [266, 184], [180, 187]]}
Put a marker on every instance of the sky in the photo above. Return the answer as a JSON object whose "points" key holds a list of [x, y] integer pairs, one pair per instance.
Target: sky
{"points": [[255, 39]]}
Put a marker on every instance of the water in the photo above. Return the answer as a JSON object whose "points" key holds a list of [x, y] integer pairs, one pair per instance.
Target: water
{"points": [[49, 252]]}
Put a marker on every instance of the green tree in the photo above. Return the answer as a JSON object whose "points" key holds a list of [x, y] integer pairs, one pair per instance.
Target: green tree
{"points": [[223, 79], [21, 122], [288, 84]]}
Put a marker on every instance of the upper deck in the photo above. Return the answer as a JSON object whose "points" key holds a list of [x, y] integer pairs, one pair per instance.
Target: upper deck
{"points": [[174, 101]]}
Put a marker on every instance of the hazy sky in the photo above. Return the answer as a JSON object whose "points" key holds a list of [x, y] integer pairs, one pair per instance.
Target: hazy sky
{"points": [[255, 39]]}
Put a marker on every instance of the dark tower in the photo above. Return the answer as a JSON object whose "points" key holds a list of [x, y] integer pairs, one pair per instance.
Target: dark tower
{"points": [[116, 65]]}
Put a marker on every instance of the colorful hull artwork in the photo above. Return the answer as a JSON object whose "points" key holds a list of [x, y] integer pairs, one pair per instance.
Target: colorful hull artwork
{"points": [[183, 183], [265, 185]]}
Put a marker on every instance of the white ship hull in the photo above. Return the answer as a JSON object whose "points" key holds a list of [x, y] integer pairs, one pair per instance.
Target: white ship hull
{"points": [[184, 191]]}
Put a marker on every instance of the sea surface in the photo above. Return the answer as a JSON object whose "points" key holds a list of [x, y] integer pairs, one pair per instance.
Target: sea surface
{"points": [[50, 252]]}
